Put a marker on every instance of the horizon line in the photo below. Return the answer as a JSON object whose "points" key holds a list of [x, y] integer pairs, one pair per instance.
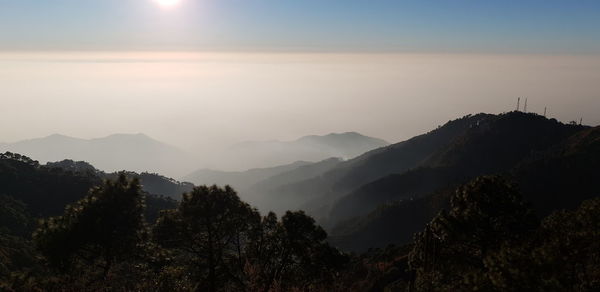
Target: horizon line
{"points": [[301, 51]]}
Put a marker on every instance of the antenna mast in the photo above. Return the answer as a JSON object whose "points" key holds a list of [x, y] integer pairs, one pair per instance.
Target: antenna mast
{"points": [[545, 111], [525, 106], [518, 103]]}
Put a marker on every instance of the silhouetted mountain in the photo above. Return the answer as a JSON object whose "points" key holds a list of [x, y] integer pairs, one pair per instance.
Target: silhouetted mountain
{"points": [[113, 153], [298, 174], [152, 183], [73, 166], [261, 154], [563, 176], [490, 145], [46, 190], [390, 223], [159, 185], [560, 177], [554, 164]]}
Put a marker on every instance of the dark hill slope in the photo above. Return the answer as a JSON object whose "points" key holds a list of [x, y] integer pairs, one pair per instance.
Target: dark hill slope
{"points": [[152, 183], [412, 184], [492, 145], [561, 177], [403, 156], [258, 193], [565, 175], [240, 180], [159, 185], [391, 223], [46, 190], [400, 157]]}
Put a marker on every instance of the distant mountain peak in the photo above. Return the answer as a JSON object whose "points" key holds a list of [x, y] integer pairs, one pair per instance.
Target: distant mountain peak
{"points": [[57, 136], [339, 135], [347, 134], [130, 135], [313, 148], [127, 135]]}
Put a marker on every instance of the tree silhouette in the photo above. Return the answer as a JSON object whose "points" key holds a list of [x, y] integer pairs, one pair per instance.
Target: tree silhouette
{"points": [[292, 253], [209, 227], [484, 215], [227, 246], [98, 231], [563, 255]]}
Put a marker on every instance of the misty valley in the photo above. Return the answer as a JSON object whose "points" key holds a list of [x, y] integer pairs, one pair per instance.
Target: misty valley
{"points": [[485, 202]]}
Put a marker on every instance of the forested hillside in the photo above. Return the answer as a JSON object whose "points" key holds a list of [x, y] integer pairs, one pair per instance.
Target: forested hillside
{"points": [[487, 237], [561, 177], [109, 235], [491, 144]]}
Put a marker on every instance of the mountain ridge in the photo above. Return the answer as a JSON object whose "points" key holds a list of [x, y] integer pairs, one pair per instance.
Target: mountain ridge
{"points": [[494, 145], [136, 152], [560, 176], [313, 148]]}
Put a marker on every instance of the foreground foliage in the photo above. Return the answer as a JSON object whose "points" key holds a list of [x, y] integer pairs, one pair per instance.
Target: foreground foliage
{"points": [[487, 240], [226, 245], [491, 241]]}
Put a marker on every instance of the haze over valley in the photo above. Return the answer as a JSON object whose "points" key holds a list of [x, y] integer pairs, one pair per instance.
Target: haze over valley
{"points": [[203, 102], [141, 153]]}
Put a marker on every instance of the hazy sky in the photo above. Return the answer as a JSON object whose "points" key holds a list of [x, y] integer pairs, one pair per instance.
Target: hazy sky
{"points": [[197, 100], [208, 73]]}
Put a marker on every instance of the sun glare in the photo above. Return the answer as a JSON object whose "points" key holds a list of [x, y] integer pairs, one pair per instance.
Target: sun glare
{"points": [[167, 3]]}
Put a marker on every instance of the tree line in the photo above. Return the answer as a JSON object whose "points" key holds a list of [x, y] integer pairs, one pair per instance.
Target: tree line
{"points": [[212, 241], [489, 239]]}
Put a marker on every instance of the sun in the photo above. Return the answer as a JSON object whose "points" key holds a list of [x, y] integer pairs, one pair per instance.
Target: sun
{"points": [[167, 3]]}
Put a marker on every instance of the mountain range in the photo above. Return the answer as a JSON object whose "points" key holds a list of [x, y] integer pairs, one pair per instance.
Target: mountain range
{"points": [[152, 183], [240, 180], [552, 163], [387, 193], [559, 178], [484, 145], [264, 154], [141, 153], [134, 152]]}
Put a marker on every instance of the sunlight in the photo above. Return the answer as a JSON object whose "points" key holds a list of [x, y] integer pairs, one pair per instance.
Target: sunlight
{"points": [[167, 3]]}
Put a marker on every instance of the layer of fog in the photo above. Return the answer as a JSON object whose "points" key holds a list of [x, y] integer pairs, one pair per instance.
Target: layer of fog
{"points": [[201, 102]]}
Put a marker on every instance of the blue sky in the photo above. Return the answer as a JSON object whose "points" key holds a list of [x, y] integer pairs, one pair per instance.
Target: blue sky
{"points": [[527, 26]]}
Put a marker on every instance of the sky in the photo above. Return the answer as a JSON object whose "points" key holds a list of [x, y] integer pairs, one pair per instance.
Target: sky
{"points": [[528, 26], [210, 73]]}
